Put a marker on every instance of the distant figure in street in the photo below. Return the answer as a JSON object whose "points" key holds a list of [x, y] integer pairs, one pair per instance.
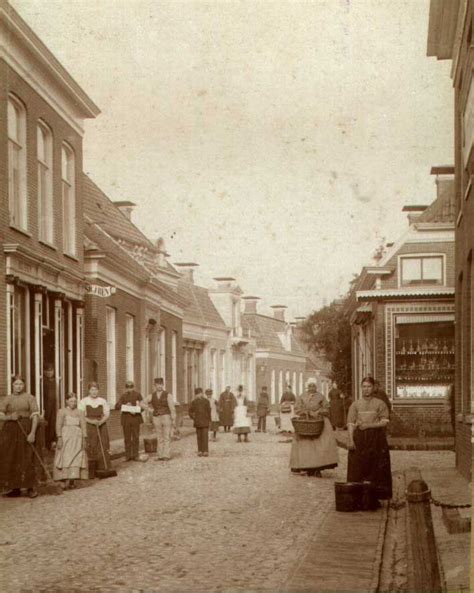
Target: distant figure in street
{"points": [[70, 459], [379, 393], [50, 406], [346, 401], [96, 411], [369, 456], [131, 419], [263, 406], [242, 422], [313, 454], [227, 403], [164, 416], [336, 406], [214, 426], [287, 403], [200, 412], [17, 463]]}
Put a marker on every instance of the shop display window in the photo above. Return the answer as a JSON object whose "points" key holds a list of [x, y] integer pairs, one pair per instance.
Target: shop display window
{"points": [[424, 359]]}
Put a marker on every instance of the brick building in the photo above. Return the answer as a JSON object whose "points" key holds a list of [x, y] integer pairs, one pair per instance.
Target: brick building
{"points": [[133, 318], [214, 354], [42, 111], [402, 318], [280, 358], [450, 38]]}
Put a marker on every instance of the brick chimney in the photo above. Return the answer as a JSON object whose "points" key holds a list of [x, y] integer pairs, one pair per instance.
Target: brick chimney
{"points": [[250, 304], [187, 270], [279, 312], [125, 207]]}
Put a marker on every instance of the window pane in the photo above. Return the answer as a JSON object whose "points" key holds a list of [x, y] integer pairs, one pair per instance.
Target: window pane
{"points": [[433, 269], [13, 122], [41, 144], [411, 270]]}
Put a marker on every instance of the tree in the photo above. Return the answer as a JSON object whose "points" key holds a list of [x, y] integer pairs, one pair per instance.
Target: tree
{"points": [[328, 331]]}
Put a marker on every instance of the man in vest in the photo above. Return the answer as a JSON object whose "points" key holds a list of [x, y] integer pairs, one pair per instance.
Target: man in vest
{"points": [[164, 416]]}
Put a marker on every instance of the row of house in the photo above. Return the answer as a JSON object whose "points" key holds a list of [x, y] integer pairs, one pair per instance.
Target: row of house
{"points": [[83, 289]]}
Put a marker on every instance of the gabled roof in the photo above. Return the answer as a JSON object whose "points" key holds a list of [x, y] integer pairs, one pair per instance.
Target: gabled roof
{"points": [[266, 329], [200, 308], [101, 210], [441, 210]]}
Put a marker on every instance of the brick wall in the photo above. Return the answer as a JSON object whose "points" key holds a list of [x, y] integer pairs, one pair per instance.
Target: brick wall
{"points": [[464, 449], [418, 421]]}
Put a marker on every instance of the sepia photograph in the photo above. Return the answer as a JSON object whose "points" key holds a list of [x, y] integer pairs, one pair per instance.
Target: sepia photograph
{"points": [[236, 296]]}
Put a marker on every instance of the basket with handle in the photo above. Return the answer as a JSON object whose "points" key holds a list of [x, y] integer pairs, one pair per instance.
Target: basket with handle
{"points": [[308, 427]]}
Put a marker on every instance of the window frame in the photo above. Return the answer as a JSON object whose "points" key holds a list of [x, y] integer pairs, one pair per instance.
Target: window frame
{"points": [[19, 201], [45, 211], [69, 221], [421, 257], [129, 347]]}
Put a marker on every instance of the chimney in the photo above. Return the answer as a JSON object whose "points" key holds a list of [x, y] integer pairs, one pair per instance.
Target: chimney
{"points": [[125, 207], [250, 304], [445, 190], [414, 212], [225, 282], [279, 312], [300, 320], [187, 271]]}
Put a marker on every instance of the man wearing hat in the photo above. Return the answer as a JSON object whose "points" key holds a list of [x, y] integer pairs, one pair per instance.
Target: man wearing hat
{"points": [[200, 412], [131, 405]]}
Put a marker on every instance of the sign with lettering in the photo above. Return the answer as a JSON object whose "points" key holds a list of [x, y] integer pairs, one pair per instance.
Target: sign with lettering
{"points": [[100, 291]]}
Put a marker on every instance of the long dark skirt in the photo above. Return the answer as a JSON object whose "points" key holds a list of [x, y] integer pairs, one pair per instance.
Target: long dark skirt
{"points": [[17, 461], [370, 461], [94, 451]]}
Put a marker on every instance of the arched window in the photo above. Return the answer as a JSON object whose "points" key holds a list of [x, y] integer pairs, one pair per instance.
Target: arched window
{"points": [[17, 201], [44, 155], [68, 182]]}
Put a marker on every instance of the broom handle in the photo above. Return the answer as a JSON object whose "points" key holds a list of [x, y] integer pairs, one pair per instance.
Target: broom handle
{"points": [[46, 471], [101, 447]]}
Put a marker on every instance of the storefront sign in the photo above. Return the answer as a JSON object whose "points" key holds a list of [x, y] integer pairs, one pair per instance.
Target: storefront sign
{"points": [[422, 391], [100, 291]]}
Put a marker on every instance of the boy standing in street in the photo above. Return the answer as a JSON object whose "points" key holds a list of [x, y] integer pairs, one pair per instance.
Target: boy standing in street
{"points": [[200, 412], [164, 416]]}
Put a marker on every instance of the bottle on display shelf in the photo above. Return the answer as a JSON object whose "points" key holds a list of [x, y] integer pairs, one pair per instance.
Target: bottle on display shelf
{"points": [[410, 347], [403, 350], [418, 346]]}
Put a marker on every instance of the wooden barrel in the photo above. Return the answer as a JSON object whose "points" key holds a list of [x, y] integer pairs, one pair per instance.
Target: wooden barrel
{"points": [[348, 496], [369, 500], [150, 445]]}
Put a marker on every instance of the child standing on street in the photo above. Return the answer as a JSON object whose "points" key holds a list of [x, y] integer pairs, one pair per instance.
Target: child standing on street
{"points": [[200, 412], [214, 428]]}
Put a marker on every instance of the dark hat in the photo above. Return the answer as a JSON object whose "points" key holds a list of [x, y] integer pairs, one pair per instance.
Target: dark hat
{"points": [[158, 381]]}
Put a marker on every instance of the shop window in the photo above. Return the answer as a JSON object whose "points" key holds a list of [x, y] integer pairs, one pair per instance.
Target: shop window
{"points": [[162, 354], [129, 338], [44, 155], [111, 353], [424, 358], [421, 270], [68, 184], [17, 198]]}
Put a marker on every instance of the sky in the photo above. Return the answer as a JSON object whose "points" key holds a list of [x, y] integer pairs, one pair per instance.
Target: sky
{"points": [[274, 142]]}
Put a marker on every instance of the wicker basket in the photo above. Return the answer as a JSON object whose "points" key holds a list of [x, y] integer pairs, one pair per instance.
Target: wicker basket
{"points": [[308, 427]]}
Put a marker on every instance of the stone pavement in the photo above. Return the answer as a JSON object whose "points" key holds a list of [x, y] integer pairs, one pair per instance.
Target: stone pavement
{"points": [[238, 520]]}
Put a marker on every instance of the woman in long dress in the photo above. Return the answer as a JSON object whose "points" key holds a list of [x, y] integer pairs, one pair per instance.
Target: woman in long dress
{"points": [[336, 406], [369, 456], [70, 460], [242, 421], [313, 454], [20, 414], [287, 410], [96, 411]]}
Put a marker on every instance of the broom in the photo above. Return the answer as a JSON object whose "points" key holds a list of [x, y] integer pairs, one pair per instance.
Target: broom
{"points": [[103, 473], [50, 486]]}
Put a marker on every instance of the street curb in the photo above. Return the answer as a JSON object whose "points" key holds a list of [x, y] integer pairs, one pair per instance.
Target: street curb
{"points": [[374, 586]]}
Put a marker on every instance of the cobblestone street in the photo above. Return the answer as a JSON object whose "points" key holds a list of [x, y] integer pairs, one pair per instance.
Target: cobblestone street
{"points": [[235, 519]]}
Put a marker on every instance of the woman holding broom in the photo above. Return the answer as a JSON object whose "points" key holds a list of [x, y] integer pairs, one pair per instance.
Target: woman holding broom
{"points": [[20, 414], [96, 411], [70, 460]]}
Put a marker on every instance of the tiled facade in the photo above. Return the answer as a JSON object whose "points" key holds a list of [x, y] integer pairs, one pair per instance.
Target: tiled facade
{"points": [[450, 37]]}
